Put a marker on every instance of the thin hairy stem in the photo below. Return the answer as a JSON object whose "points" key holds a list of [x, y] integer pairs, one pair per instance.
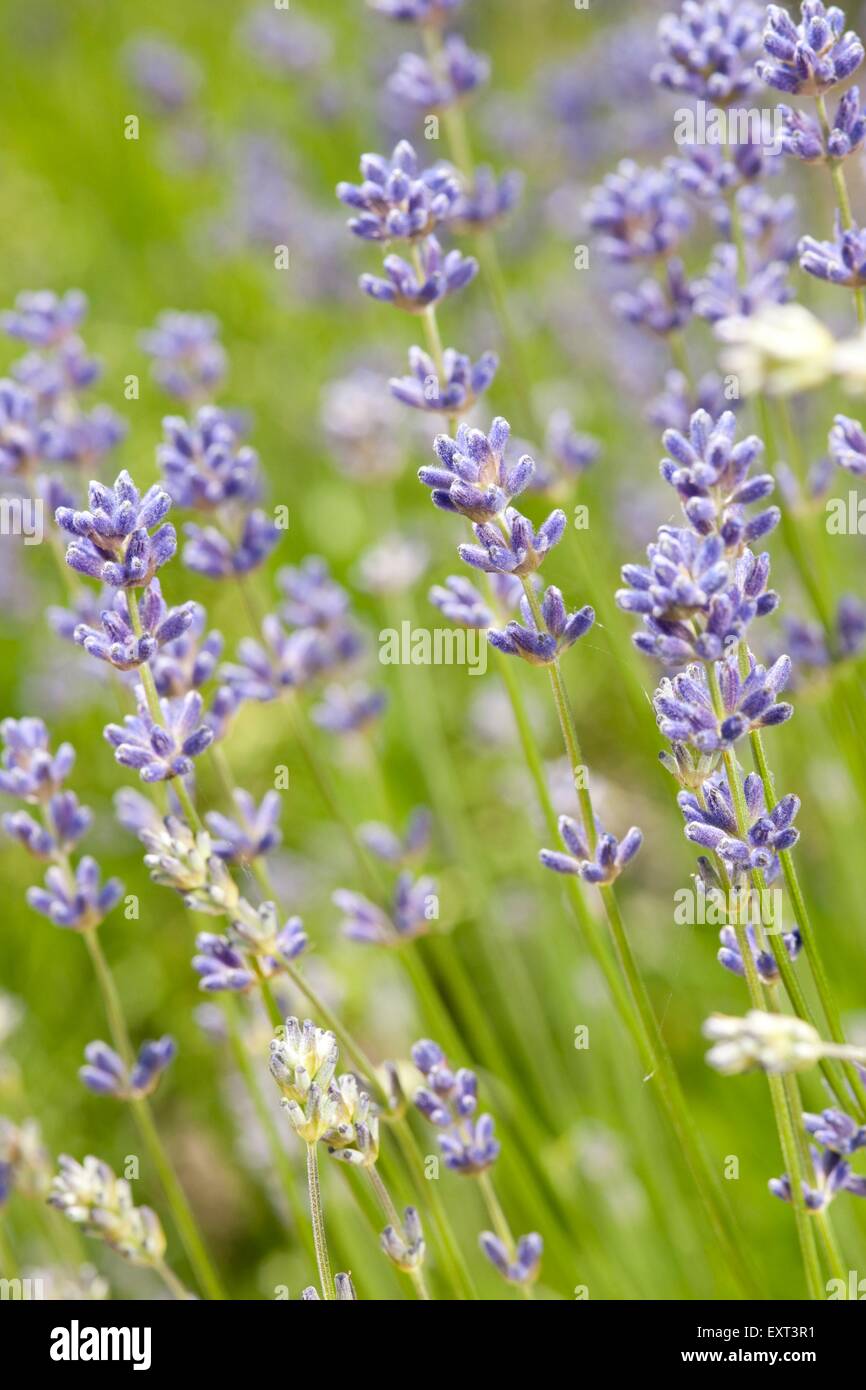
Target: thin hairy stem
{"points": [[323, 1263]]}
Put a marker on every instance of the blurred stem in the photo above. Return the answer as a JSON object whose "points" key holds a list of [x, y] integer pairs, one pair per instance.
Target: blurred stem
{"points": [[171, 1281], [181, 1211], [832, 1252], [150, 692], [661, 1061], [803, 920], [392, 1216], [193, 819], [322, 1261], [843, 201], [8, 1262]]}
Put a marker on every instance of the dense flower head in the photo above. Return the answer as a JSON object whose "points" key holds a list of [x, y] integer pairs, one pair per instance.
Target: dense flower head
{"points": [[848, 445], [210, 552], [523, 1266], [835, 1130], [84, 439], [303, 1062], [116, 639], [166, 76], [487, 200], [79, 903], [808, 58], [675, 405], [112, 537], [392, 848], [542, 645], [416, 11], [44, 319], [711, 822], [164, 750], [767, 225], [398, 200], [441, 274], [693, 601], [348, 709], [721, 293], [255, 830], [189, 362], [453, 392], [189, 660], [637, 213], [803, 138], [312, 598], [458, 74], [408, 914], [710, 173], [839, 262], [518, 549], [221, 965], [28, 768], [449, 1100], [406, 1248], [831, 1175], [775, 1043], [105, 1073], [67, 823], [203, 463], [709, 49], [730, 955], [684, 707], [287, 659], [473, 477], [661, 306], [92, 1197], [461, 603], [19, 429], [602, 865], [710, 472], [352, 1134]]}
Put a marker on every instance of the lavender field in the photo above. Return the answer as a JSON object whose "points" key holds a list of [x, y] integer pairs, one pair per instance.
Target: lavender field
{"points": [[433, 637]]}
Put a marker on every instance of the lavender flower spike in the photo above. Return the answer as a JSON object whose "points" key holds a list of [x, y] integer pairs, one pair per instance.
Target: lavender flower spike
{"points": [[523, 1269], [398, 200], [461, 603], [637, 213], [19, 429], [462, 384], [68, 822], [710, 472], [836, 1131], [189, 362], [840, 262], [731, 957], [710, 49], [487, 201], [410, 912], [406, 1253], [520, 551], [255, 832], [78, 906], [210, 552], [460, 73], [848, 445], [204, 465], [221, 965], [542, 647], [807, 59], [348, 709], [105, 1074], [685, 712], [449, 1101], [112, 540], [416, 11], [166, 750], [440, 275], [45, 319], [606, 864], [803, 138], [29, 769], [117, 642], [474, 478]]}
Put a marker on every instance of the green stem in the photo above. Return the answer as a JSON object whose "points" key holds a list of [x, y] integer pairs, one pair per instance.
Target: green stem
{"points": [[171, 1281], [322, 1262], [181, 1211], [393, 1217], [807, 932], [840, 188]]}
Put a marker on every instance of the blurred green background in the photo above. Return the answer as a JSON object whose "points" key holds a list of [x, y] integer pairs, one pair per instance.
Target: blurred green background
{"points": [[151, 224]]}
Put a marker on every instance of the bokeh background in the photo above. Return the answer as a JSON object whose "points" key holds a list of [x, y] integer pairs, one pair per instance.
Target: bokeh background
{"points": [[187, 217]]}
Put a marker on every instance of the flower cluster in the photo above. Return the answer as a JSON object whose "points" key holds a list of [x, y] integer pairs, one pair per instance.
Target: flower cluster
{"points": [[189, 362], [711, 822], [601, 865], [839, 1136], [808, 58], [686, 712], [112, 538], [709, 49], [449, 1100], [92, 1197], [414, 903], [105, 1073]]}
